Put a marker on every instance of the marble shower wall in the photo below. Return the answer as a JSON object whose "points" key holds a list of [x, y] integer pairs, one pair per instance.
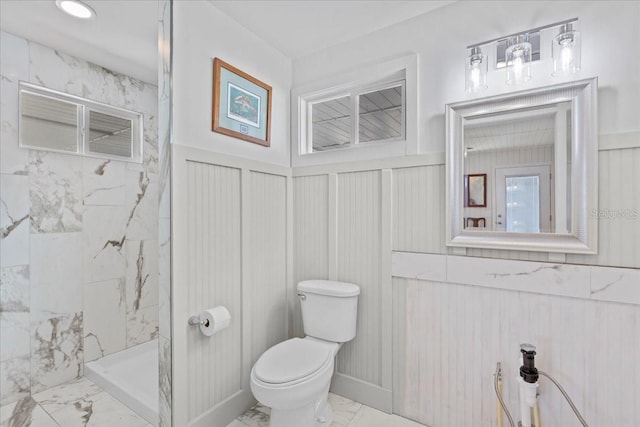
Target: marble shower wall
{"points": [[79, 260]]}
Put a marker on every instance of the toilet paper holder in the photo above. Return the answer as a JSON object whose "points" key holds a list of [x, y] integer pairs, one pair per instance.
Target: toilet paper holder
{"points": [[196, 321]]}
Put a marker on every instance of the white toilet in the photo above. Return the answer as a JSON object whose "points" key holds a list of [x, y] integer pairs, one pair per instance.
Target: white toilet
{"points": [[293, 377]]}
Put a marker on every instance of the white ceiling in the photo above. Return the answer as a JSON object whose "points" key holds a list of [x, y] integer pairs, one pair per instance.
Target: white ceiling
{"points": [[512, 134], [298, 28], [123, 36]]}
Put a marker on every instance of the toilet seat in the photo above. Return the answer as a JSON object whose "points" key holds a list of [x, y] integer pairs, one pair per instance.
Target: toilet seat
{"points": [[292, 361]]}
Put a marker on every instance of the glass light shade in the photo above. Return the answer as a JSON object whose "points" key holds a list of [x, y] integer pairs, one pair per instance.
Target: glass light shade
{"points": [[518, 58], [476, 66], [565, 49]]}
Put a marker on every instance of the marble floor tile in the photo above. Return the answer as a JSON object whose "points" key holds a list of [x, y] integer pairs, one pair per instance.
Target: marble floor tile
{"points": [[344, 410], [258, 416], [99, 410], [369, 417], [67, 394], [346, 413], [25, 413]]}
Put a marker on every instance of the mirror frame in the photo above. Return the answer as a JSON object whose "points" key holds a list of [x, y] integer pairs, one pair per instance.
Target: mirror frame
{"points": [[583, 237]]}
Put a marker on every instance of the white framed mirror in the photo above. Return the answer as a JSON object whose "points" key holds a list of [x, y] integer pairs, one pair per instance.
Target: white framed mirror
{"points": [[522, 170]]}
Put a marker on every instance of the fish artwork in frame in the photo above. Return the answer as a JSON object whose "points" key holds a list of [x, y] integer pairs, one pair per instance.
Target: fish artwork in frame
{"points": [[241, 104]]}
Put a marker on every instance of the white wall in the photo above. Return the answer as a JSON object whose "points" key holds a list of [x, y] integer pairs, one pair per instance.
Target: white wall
{"points": [[609, 51], [440, 321], [201, 33]]}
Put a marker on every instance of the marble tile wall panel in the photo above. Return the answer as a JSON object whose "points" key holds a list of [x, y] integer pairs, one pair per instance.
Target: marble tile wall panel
{"points": [[105, 312], [142, 206], [103, 182], [57, 70], [412, 265], [141, 274], [142, 325], [56, 309], [104, 235], [14, 219], [56, 350], [14, 289], [615, 284], [56, 274], [14, 67], [546, 278], [55, 192], [14, 335], [15, 379], [576, 281]]}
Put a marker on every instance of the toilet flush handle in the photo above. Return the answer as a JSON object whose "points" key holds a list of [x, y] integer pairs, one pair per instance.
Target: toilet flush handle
{"points": [[302, 297]]}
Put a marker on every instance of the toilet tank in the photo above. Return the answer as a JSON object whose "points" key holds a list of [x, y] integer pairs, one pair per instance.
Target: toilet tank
{"points": [[329, 309]]}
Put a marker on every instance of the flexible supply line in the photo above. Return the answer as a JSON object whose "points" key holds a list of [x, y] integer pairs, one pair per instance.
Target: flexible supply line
{"points": [[566, 396], [495, 387]]}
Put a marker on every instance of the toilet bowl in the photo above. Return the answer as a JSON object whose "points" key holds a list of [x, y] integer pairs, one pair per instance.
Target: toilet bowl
{"points": [[293, 377]]}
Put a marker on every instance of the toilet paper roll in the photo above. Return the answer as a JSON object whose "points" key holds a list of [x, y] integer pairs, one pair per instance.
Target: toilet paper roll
{"points": [[214, 320]]}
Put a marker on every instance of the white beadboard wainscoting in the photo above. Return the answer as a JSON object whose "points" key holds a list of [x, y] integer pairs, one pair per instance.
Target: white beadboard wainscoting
{"points": [[427, 342], [457, 316], [230, 237]]}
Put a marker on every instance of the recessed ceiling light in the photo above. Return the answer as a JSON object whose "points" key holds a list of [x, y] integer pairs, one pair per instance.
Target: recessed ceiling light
{"points": [[76, 8]]}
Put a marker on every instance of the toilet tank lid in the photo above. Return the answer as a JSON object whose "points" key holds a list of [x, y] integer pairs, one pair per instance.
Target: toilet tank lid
{"points": [[329, 288]]}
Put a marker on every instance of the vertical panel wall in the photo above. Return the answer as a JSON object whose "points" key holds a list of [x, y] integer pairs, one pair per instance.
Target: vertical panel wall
{"points": [[230, 247], [418, 209], [439, 326], [455, 334], [214, 278], [311, 246], [359, 255], [267, 280]]}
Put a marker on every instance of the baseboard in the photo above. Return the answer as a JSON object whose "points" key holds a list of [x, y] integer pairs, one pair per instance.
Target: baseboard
{"points": [[362, 392], [226, 411]]}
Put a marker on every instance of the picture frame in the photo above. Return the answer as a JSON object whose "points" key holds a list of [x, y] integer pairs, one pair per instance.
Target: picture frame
{"points": [[475, 190], [241, 105]]}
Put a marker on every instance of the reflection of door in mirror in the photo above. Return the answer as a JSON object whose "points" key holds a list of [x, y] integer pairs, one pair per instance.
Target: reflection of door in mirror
{"points": [[523, 202]]}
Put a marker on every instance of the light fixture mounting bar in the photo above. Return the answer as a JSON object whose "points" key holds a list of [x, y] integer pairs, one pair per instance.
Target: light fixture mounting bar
{"points": [[532, 30]]}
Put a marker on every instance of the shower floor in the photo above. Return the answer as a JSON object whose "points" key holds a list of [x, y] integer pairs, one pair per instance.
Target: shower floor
{"points": [[131, 376]]}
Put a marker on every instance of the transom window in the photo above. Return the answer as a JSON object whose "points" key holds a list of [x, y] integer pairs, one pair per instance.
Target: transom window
{"points": [[362, 115]]}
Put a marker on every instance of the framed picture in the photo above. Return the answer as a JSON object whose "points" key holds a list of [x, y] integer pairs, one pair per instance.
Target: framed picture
{"points": [[475, 190], [241, 104]]}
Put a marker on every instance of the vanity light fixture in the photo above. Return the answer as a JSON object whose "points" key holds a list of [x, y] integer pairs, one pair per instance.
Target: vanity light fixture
{"points": [[516, 51], [518, 57], [476, 70], [76, 8], [565, 49]]}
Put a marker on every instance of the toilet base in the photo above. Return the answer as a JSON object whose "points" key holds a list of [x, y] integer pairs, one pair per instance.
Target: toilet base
{"points": [[315, 414]]}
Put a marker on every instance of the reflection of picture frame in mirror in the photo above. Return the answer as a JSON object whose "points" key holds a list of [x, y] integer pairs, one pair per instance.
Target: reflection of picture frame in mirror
{"points": [[475, 190]]}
